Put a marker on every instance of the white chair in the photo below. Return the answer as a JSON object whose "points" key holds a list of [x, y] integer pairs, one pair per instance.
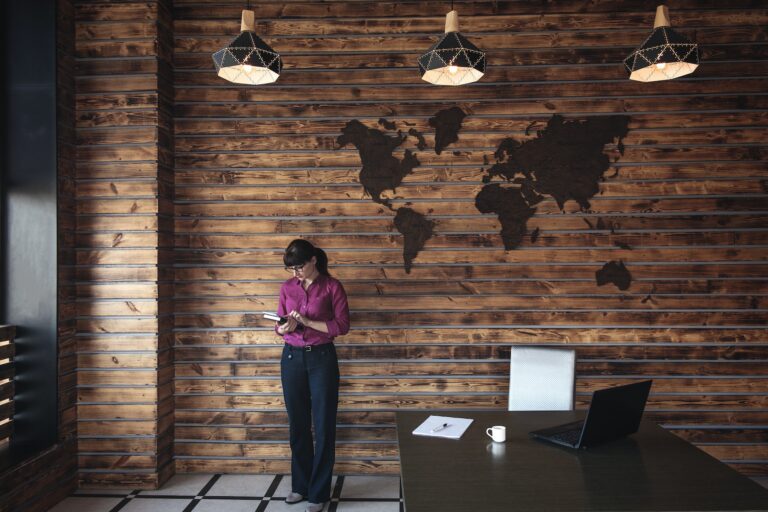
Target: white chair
{"points": [[541, 379]]}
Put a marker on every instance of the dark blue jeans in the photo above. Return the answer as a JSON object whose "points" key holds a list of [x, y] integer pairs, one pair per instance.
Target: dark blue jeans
{"points": [[311, 391]]}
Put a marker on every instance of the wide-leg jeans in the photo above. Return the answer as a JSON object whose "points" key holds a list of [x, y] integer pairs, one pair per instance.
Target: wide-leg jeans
{"points": [[311, 391]]}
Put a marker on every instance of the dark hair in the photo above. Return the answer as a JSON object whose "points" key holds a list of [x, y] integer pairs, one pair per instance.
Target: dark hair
{"points": [[300, 251]]}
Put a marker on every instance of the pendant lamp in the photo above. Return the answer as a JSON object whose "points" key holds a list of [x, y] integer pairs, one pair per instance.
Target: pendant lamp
{"points": [[453, 60], [665, 55], [248, 59]]}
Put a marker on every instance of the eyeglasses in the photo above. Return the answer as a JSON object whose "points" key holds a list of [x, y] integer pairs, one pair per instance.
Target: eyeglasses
{"points": [[296, 268]]}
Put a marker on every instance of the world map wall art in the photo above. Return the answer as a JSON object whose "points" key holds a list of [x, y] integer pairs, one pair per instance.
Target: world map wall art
{"points": [[566, 161]]}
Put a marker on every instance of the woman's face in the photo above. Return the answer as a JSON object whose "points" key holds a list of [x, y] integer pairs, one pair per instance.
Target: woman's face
{"points": [[305, 271]]}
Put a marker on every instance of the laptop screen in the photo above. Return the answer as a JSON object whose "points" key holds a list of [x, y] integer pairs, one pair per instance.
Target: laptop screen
{"points": [[615, 413]]}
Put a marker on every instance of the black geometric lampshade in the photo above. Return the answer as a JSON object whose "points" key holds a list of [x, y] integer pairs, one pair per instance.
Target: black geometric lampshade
{"points": [[248, 59], [665, 55], [453, 60]]}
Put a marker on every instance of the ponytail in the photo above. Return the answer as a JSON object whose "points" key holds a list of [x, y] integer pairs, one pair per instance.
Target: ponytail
{"points": [[322, 261]]}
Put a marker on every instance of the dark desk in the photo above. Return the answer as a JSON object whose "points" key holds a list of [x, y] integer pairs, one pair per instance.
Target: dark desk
{"points": [[651, 470]]}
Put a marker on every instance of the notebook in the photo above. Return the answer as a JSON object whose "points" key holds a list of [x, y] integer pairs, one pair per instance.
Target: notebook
{"points": [[274, 316], [613, 413], [443, 426]]}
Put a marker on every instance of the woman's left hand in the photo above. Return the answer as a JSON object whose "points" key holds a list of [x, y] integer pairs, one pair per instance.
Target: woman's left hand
{"points": [[299, 318]]}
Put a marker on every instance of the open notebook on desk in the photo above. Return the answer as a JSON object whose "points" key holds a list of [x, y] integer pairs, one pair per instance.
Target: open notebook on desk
{"points": [[443, 426]]}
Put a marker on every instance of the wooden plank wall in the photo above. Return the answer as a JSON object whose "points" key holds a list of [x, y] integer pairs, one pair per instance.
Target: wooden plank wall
{"points": [[45, 479], [258, 166], [124, 236]]}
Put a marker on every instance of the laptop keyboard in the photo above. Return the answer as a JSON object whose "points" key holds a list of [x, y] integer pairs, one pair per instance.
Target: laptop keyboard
{"points": [[569, 436]]}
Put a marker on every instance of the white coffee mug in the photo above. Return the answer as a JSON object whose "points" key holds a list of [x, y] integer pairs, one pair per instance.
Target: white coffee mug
{"points": [[498, 433]]}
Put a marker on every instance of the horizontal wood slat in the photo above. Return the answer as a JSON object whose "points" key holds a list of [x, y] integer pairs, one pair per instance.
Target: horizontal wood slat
{"points": [[494, 23], [511, 74], [191, 9], [393, 256], [581, 336], [245, 369], [495, 42], [517, 107]]}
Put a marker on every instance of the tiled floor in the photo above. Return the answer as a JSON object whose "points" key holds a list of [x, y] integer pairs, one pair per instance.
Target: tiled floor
{"points": [[238, 493], [243, 493]]}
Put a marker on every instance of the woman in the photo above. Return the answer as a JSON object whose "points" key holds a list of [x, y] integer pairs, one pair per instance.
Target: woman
{"points": [[316, 309]]}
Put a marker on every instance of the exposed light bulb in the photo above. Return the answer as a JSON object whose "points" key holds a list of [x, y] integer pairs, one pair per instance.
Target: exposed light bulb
{"points": [[453, 69], [661, 65], [247, 68]]}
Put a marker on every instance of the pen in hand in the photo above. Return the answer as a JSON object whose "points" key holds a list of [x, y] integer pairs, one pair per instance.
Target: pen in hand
{"points": [[439, 428]]}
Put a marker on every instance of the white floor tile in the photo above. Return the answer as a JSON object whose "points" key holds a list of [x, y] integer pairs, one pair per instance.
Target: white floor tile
{"points": [[156, 505], [241, 485], [187, 484], [80, 504], [214, 505], [369, 506], [284, 488], [371, 487]]}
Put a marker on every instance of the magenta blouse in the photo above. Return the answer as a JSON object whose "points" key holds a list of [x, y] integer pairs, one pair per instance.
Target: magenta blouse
{"points": [[325, 300]]}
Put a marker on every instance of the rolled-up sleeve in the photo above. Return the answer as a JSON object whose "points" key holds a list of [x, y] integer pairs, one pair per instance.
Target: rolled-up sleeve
{"points": [[339, 325]]}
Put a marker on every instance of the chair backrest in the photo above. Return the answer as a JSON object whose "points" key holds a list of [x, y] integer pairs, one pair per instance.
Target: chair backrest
{"points": [[541, 379]]}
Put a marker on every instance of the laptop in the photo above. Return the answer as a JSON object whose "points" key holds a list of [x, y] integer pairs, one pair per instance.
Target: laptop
{"points": [[613, 413]]}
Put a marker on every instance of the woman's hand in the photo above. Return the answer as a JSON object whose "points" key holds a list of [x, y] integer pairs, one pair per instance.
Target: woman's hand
{"points": [[299, 318], [287, 327]]}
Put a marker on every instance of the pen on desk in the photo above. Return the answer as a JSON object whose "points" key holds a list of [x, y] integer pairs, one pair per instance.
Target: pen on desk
{"points": [[439, 428]]}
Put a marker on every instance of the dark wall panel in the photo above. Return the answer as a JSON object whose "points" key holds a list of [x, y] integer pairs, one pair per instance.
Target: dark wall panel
{"points": [[40, 481], [30, 219]]}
